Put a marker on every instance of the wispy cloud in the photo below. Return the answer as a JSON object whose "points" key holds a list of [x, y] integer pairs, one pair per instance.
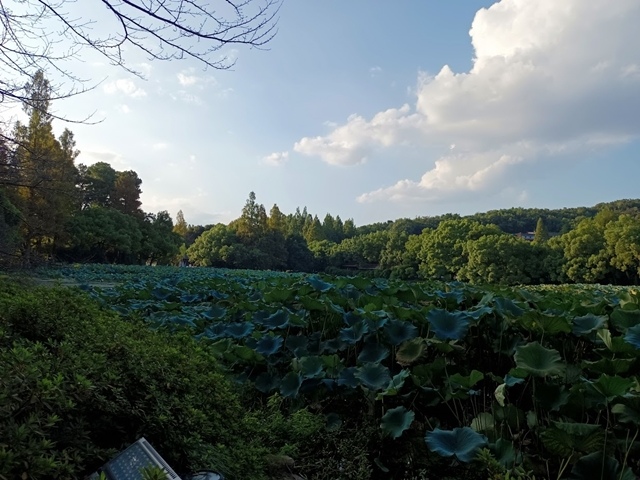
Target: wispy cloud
{"points": [[125, 86]]}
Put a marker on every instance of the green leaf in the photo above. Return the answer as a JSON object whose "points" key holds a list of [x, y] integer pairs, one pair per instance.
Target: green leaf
{"points": [[373, 353], [588, 323], [311, 367], [624, 319], [507, 308], [469, 381], [348, 378], [447, 325], [632, 336], [610, 366], [373, 376], [399, 331], [279, 319], [318, 284], [565, 438], [596, 466], [610, 387], [214, 313], [290, 385], [545, 323], [504, 451], [267, 382], [353, 334], [410, 351], [395, 384], [539, 361], [463, 443], [239, 329], [551, 397], [268, 345], [396, 420], [484, 422], [628, 411]]}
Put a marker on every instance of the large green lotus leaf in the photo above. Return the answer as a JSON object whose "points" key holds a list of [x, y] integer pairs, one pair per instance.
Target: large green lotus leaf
{"points": [[426, 373], [545, 323], [463, 443], [609, 387], [351, 318], [500, 394], [479, 312], [333, 345], [279, 319], [505, 452], [538, 360], [628, 410], [484, 422], [448, 325], [354, 333], [632, 336], [215, 331], [396, 420], [551, 397], [160, 293], [373, 376], [596, 466], [244, 353], [507, 308], [348, 378], [290, 385], [467, 381], [588, 323], [395, 384], [267, 382], [410, 351], [624, 319], [239, 329], [399, 331], [377, 323], [268, 345], [318, 284], [214, 313], [373, 353], [297, 344], [564, 443], [610, 366], [311, 367]]}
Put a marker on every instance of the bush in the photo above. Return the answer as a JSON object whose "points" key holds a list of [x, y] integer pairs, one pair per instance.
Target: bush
{"points": [[78, 384]]}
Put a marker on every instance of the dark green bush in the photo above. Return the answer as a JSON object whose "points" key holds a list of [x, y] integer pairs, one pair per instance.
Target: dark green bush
{"points": [[78, 383]]}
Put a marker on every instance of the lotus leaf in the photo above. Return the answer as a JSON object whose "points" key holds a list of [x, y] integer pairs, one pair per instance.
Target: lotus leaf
{"points": [[588, 323], [268, 345], [239, 329], [353, 334], [373, 353], [448, 325], [410, 351], [373, 376], [398, 331], [597, 466], [311, 367], [348, 378], [214, 313], [267, 382], [396, 420], [290, 385], [463, 443], [538, 360]]}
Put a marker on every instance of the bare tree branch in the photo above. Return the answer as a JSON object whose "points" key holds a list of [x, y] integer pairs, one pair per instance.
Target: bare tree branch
{"points": [[47, 35]]}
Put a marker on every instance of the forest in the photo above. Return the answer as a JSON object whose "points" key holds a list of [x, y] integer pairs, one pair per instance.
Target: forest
{"points": [[54, 209]]}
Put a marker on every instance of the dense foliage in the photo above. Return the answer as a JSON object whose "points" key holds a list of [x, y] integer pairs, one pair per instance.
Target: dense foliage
{"points": [[540, 381]]}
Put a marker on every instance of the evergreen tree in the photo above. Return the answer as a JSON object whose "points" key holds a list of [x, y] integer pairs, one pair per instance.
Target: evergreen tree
{"points": [[541, 233]]}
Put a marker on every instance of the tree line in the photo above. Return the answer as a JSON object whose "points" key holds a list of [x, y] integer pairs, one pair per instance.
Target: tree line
{"points": [[52, 208]]}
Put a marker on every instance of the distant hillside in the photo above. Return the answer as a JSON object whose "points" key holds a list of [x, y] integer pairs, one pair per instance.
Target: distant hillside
{"points": [[512, 220]]}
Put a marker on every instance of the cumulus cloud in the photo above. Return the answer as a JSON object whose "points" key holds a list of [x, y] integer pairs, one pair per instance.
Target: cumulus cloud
{"points": [[548, 77], [125, 86], [276, 159], [186, 80]]}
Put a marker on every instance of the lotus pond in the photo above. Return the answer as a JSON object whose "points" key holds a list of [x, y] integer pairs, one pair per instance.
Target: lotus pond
{"points": [[534, 381]]}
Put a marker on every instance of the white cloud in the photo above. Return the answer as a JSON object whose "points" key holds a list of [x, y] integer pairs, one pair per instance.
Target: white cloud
{"points": [[186, 80], [548, 77], [126, 86], [160, 146], [276, 159], [374, 71], [123, 108]]}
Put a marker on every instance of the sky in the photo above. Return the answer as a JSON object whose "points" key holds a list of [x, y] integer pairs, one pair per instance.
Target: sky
{"points": [[382, 110]]}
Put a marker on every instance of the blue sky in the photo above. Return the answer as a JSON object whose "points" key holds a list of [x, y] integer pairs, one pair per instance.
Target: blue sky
{"points": [[382, 110]]}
